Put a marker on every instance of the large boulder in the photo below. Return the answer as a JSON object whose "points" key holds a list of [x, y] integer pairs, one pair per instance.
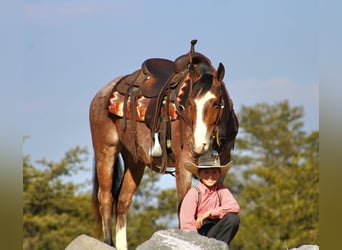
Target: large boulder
{"points": [[85, 242], [176, 239]]}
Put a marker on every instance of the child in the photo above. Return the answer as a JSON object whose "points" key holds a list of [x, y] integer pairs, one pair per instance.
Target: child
{"points": [[210, 208]]}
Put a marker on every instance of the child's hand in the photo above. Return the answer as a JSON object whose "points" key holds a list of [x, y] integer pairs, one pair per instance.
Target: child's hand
{"points": [[201, 218]]}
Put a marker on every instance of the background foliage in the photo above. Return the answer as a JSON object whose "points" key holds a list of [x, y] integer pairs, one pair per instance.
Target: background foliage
{"points": [[278, 170], [55, 211], [274, 178]]}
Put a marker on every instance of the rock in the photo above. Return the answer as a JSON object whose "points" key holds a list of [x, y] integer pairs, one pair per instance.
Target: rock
{"points": [[176, 239], [306, 247], [85, 242], [171, 239]]}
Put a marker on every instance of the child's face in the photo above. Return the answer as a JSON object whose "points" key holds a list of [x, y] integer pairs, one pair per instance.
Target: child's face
{"points": [[209, 176]]}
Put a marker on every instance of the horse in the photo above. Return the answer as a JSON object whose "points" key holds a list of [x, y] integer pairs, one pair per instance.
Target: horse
{"points": [[159, 116]]}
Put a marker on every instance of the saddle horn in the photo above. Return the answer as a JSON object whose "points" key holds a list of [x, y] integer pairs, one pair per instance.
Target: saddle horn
{"points": [[193, 43], [182, 63], [192, 51]]}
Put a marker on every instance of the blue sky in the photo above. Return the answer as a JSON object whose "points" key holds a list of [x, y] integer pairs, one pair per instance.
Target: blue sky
{"points": [[70, 49]]}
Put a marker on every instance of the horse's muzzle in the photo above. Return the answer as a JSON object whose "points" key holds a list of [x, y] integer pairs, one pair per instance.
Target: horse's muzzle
{"points": [[199, 150]]}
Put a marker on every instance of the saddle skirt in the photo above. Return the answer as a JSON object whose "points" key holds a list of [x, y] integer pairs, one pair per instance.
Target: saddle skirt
{"points": [[116, 107]]}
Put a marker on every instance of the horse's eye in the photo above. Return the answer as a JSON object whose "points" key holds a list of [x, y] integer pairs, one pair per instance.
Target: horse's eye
{"points": [[216, 105]]}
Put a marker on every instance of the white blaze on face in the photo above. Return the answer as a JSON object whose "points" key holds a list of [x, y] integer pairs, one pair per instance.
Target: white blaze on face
{"points": [[201, 135]]}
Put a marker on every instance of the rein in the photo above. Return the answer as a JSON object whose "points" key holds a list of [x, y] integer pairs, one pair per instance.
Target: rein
{"points": [[219, 118]]}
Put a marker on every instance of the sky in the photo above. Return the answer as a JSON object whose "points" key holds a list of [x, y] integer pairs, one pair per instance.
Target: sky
{"points": [[70, 49]]}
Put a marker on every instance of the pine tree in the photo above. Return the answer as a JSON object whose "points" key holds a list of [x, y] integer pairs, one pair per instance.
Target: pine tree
{"points": [[279, 194], [54, 211]]}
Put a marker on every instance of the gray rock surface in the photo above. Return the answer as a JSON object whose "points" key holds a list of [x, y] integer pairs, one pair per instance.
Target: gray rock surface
{"points": [[176, 239], [85, 242], [171, 239], [306, 247]]}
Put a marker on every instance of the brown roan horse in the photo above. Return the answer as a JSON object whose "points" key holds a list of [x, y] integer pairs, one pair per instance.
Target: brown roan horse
{"points": [[160, 116]]}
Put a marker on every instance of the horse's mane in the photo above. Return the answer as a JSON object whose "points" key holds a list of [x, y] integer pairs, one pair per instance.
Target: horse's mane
{"points": [[203, 85], [204, 68]]}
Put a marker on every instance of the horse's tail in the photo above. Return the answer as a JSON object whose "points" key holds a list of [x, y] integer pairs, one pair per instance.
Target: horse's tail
{"points": [[95, 201], [119, 168], [118, 176]]}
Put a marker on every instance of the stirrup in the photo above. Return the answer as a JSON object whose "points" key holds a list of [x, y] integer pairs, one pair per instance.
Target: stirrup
{"points": [[156, 150]]}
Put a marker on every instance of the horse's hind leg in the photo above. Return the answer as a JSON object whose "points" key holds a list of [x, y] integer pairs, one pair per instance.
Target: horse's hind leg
{"points": [[131, 181], [105, 168], [106, 145]]}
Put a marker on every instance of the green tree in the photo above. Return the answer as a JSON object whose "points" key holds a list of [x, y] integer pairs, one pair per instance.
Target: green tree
{"points": [[54, 210], [279, 176]]}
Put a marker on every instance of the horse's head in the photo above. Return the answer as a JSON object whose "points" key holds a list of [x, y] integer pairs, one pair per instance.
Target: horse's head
{"points": [[208, 107], [205, 105]]}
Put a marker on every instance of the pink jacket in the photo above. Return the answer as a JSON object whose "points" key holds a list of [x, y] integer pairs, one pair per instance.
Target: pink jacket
{"points": [[209, 201]]}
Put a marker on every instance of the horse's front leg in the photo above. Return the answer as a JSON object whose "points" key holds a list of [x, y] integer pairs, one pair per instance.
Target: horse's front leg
{"points": [[131, 181], [183, 180]]}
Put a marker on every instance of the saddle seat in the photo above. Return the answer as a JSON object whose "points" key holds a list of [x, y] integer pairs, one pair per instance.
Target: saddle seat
{"points": [[158, 72], [150, 79]]}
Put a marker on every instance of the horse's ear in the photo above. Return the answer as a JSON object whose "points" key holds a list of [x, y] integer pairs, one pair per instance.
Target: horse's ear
{"points": [[220, 72]]}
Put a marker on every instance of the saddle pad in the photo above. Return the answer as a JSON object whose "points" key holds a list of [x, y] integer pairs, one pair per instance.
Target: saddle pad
{"points": [[116, 107]]}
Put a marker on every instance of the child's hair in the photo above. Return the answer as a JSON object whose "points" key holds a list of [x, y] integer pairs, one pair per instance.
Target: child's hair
{"points": [[200, 169]]}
